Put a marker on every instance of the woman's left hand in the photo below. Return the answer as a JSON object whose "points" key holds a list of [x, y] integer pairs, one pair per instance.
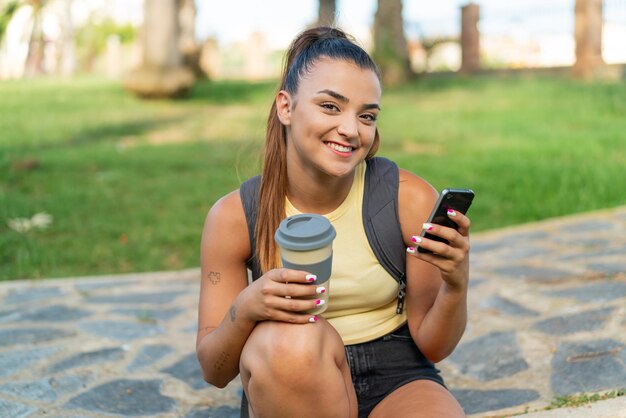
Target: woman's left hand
{"points": [[452, 259]]}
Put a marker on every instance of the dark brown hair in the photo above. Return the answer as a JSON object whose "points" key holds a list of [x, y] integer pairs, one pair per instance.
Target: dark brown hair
{"points": [[305, 50]]}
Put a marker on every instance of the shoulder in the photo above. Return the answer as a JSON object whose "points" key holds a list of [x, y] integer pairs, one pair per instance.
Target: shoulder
{"points": [[228, 209], [414, 186], [226, 222], [416, 198]]}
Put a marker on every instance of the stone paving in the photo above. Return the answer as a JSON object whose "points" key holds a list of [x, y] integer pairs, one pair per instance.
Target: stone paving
{"points": [[547, 317]]}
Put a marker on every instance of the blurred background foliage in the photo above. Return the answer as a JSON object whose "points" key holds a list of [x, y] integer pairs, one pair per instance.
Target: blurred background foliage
{"points": [[96, 180], [91, 40]]}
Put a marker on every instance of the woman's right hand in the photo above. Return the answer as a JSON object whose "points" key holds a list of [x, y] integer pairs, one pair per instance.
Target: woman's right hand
{"points": [[281, 295]]}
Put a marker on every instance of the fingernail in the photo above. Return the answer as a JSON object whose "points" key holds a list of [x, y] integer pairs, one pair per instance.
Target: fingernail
{"points": [[451, 212], [320, 290], [311, 277], [320, 302], [313, 319], [411, 250], [416, 239], [427, 226]]}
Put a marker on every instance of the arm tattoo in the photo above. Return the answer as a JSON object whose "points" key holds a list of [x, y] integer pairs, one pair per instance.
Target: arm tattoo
{"points": [[221, 361], [233, 313], [214, 277]]}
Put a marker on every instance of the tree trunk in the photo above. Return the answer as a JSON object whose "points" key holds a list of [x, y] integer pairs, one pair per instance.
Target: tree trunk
{"points": [[326, 13], [66, 56], [390, 47], [189, 48], [588, 37], [470, 38], [161, 73], [35, 56]]}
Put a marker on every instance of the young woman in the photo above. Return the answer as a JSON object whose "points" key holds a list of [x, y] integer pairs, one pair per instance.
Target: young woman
{"points": [[361, 358]]}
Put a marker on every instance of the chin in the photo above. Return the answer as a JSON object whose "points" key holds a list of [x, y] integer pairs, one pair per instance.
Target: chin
{"points": [[341, 169]]}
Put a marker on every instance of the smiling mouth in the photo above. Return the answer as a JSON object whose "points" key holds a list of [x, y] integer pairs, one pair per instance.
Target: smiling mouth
{"points": [[338, 147]]}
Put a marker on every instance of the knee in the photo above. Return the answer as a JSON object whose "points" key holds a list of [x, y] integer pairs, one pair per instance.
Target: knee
{"points": [[288, 351]]}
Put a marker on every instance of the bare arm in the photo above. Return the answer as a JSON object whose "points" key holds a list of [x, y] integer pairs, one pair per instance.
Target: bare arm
{"points": [[436, 284], [221, 334], [228, 308]]}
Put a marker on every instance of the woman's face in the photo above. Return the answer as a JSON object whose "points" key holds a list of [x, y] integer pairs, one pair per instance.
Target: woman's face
{"points": [[331, 120]]}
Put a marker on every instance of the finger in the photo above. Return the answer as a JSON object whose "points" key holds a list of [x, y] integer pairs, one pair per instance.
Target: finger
{"points": [[452, 237], [441, 249], [444, 232], [461, 220], [285, 275], [454, 246], [296, 305], [431, 258], [293, 317], [444, 264], [296, 290]]}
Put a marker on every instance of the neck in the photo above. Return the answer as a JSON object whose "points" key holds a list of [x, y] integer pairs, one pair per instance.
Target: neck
{"points": [[318, 193]]}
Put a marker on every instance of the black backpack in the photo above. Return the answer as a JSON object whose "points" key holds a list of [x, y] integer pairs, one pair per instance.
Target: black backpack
{"points": [[380, 219]]}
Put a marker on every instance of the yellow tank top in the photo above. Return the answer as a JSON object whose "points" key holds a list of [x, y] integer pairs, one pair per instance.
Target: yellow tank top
{"points": [[363, 296]]}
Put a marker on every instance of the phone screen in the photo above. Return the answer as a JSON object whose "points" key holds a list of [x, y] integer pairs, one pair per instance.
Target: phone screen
{"points": [[457, 199]]}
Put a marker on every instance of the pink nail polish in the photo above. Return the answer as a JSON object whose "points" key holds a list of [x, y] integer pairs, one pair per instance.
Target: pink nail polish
{"points": [[321, 289], [427, 227], [313, 319], [451, 212], [311, 277], [416, 239], [410, 250]]}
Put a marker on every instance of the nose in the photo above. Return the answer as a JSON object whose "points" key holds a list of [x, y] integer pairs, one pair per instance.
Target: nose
{"points": [[348, 126]]}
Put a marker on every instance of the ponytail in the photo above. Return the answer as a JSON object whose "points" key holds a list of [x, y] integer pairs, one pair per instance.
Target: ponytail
{"points": [[304, 51]]}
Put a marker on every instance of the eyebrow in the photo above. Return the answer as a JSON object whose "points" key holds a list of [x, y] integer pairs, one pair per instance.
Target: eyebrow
{"points": [[344, 99]]}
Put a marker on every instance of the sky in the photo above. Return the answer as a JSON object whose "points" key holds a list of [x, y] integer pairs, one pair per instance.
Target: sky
{"points": [[281, 20]]}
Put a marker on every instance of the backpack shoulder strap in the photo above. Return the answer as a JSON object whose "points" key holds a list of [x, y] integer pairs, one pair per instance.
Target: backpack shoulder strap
{"points": [[382, 222], [249, 193]]}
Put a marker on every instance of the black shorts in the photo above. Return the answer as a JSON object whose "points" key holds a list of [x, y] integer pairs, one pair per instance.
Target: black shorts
{"points": [[381, 366]]}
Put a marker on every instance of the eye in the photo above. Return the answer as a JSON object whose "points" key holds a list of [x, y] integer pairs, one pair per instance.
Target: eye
{"points": [[369, 117], [329, 106]]}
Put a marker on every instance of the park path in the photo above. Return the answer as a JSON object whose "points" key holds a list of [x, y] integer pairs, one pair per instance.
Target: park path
{"points": [[547, 317]]}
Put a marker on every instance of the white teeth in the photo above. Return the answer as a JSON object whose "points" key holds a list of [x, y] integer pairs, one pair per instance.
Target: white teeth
{"points": [[338, 147]]}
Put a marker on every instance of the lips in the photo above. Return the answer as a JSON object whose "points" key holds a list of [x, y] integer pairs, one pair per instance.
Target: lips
{"points": [[339, 148]]}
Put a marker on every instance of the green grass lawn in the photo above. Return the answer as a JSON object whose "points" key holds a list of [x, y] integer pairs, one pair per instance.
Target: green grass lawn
{"points": [[128, 182]]}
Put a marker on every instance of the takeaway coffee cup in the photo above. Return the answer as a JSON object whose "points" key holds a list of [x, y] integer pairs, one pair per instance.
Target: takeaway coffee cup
{"points": [[305, 242]]}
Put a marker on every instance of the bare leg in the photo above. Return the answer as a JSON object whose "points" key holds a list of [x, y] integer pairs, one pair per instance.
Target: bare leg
{"points": [[297, 371], [420, 398]]}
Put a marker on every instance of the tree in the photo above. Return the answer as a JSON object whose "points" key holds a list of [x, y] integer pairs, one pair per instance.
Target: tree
{"points": [[34, 59], [189, 48], [66, 55], [326, 12], [470, 38], [32, 29], [161, 72], [588, 37], [390, 46], [6, 14]]}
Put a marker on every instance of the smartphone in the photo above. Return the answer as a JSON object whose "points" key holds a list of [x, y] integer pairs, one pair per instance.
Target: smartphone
{"points": [[457, 199]]}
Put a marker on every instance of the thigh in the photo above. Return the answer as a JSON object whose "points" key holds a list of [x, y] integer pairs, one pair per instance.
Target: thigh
{"points": [[419, 398]]}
